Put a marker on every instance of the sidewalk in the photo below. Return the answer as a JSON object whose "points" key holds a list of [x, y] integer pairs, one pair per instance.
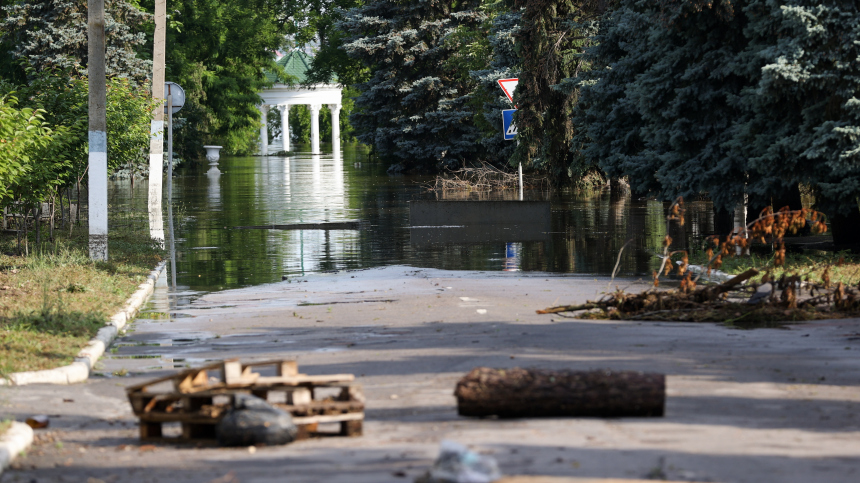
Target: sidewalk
{"points": [[742, 406]]}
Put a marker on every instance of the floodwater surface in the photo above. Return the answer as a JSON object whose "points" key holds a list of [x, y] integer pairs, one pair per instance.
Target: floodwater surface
{"points": [[341, 213]]}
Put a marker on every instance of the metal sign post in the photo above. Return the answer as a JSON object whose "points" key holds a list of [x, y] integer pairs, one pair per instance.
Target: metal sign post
{"points": [[509, 129], [175, 101]]}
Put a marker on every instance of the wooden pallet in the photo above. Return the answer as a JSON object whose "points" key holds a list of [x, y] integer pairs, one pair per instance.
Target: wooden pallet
{"points": [[197, 399]]}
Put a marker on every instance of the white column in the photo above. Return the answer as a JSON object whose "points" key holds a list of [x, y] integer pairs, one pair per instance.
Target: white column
{"points": [[264, 130], [335, 127], [285, 125], [315, 128]]}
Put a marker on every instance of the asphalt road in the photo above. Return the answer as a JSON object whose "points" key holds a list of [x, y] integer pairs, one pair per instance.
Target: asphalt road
{"points": [[762, 405]]}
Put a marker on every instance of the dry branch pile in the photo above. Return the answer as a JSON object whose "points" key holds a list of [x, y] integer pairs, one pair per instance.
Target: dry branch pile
{"points": [[484, 178], [790, 298]]}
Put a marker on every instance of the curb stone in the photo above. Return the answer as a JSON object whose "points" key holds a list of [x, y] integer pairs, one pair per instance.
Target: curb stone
{"points": [[79, 370], [13, 442]]}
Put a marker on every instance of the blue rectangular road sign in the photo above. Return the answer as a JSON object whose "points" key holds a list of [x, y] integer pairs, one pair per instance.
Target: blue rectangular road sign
{"points": [[508, 127]]}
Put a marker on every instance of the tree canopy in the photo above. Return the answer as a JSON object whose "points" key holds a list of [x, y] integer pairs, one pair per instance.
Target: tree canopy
{"points": [[413, 108], [729, 98]]}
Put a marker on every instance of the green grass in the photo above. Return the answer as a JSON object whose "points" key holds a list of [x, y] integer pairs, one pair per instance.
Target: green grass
{"points": [[53, 301], [843, 266]]}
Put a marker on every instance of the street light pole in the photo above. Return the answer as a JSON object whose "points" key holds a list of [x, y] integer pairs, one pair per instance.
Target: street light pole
{"points": [[98, 204]]}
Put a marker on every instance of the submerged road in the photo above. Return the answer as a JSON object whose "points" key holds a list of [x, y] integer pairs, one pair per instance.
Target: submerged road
{"points": [[761, 405]]}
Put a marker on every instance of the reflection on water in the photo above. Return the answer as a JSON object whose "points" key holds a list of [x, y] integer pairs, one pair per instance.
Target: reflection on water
{"points": [[585, 235]]}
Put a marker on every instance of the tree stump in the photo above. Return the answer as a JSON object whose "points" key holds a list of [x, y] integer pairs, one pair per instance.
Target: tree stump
{"points": [[522, 393]]}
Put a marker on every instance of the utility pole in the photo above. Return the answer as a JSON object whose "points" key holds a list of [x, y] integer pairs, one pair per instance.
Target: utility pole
{"points": [[156, 143], [98, 199]]}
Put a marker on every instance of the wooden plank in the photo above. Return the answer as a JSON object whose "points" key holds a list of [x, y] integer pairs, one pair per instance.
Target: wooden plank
{"points": [[152, 382], [194, 418], [333, 418], [353, 392], [306, 379], [288, 368], [150, 430], [300, 397], [352, 429], [343, 406]]}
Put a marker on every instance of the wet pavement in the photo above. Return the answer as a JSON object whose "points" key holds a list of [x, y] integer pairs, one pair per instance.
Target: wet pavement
{"points": [[742, 406]]}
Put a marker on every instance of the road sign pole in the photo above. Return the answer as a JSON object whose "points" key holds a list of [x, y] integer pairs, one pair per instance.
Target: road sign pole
{"points": [[169, 146], [521, 180]]}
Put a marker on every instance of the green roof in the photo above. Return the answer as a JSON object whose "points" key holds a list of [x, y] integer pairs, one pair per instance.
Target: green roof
{"points": [[296, 64]]}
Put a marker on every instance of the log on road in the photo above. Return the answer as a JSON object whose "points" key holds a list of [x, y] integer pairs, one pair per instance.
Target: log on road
{"points": [[520, 393]]}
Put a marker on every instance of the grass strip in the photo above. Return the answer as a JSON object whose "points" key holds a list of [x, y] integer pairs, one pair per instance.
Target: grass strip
{"points": [[55, 300], [841, 266]]}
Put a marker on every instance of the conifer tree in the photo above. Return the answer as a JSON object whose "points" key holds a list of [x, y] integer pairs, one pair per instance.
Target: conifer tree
{"points": [[504, 65], [52, 34], [749, 96], [804, 120], [414, 107], [550, 44]]}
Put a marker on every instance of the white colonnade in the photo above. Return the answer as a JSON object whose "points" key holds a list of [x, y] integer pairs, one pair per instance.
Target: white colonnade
{"points": [[283, 97]]}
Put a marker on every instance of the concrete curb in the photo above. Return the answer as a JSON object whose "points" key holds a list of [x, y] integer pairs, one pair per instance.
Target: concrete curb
{"points": [[79, 371], [16, 439]]}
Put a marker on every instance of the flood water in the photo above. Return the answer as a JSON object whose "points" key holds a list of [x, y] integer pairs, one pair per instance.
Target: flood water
{"points": [[212, 252]]}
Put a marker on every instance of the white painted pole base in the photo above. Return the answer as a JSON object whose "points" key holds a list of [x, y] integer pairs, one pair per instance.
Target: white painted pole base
{"points": [[156, 219], [98, 196], [520, 169]]}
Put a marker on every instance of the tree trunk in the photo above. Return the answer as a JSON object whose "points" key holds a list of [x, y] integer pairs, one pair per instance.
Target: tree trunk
{"points": [[37, 224], [724, 222], [513, 393], [791, 199], [846, 229], [53, 209]]}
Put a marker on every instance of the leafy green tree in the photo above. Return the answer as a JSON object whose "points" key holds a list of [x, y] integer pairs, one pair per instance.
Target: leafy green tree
{"points": [[414, 107], [218, 52], [52, 34], [315, 24], [61, 98], [23, 134]]}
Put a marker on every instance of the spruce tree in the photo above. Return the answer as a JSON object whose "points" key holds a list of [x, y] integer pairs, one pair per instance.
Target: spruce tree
{"points": [[52, 34], [504, 65], [550, 44], [414, 108], [750, 96], [804, 120]]}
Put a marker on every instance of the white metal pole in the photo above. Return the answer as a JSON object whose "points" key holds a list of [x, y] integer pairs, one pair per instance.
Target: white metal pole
{"points": [[97, 103], [169, 146], [520, 169]]}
